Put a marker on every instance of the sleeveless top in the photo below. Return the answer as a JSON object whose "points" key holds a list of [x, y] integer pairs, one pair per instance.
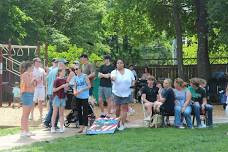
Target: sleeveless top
{"points": [[180, 97], [26, 85], [81, 83]]}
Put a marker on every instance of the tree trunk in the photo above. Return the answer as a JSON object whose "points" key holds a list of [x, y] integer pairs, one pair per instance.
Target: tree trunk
{"points": [[203, 64], [178, 30]]}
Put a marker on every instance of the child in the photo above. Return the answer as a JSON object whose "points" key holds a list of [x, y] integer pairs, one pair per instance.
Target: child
{"points": [[16, 95], [59, 102]]}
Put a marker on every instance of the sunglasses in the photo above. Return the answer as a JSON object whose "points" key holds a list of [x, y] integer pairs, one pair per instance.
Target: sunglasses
{"points": [[76, 68]]}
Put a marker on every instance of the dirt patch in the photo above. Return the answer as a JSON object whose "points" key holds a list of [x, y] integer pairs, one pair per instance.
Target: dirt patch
{"points": [[10, 117]]}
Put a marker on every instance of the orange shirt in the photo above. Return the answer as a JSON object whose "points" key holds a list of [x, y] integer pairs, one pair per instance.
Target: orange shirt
{"points": [[26, 82]]}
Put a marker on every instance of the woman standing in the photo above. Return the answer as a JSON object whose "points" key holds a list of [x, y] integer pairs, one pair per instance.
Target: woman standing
{"points": [[81, 93], [182, 105], [27, 90], [122, 79]]}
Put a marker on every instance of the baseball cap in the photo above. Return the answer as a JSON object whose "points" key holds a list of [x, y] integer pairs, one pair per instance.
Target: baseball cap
{"points": [[76, 62]]}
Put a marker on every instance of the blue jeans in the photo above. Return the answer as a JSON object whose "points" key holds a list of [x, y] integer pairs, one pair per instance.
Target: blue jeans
{"points": [[186, 114], [208, 108], [47, 120]]}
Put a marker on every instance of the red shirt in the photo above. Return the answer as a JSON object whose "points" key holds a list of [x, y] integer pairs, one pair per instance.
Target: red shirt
{"points": [[57, 83]]}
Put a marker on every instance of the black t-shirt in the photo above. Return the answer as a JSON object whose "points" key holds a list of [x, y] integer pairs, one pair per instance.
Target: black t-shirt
{"points": [[151, 93], [169, 96], [200, 93], [104, 82]]}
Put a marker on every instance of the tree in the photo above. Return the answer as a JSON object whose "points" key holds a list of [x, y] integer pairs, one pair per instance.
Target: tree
{"points": [[203, 65]]}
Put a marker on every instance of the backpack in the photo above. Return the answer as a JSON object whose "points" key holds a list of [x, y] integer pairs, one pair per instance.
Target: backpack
{"points": [[156, 121]]}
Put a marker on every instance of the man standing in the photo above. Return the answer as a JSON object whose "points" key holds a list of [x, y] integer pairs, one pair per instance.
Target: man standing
{"points": [[39, 92], [105, 88], [89, 69]]}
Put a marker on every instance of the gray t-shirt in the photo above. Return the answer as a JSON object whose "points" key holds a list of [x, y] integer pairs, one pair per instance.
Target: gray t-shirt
{"points": [[88, 69]]}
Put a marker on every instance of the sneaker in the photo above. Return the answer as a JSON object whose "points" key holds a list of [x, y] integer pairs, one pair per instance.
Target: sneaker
{"points": [[30, 134], [53, 130], [45, 126], [61, 130], [202, 126], [147, 118], [121, 128], [23, 134], [102, 116], [181, 127]]}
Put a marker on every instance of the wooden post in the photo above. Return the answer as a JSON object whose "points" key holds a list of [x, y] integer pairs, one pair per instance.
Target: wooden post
{"points": [[1, 72], [10, 79], [46, 54]]}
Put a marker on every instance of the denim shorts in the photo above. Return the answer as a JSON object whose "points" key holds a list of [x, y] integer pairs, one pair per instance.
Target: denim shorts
{"points": [[122, 100], [27, 99], [105, 92], [59, 102]]}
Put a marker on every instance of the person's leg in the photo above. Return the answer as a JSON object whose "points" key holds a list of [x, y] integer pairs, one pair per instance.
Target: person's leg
{"points": [[148, 107], [47, 120], [54, 114], [108, 97], [101, 104], [24, 118], [124, 110], [196, 107], [177, 120], [80, 118], [187, 115], [85, 106], [209, 110], [117, 110], [40, 106], [61, 117]]}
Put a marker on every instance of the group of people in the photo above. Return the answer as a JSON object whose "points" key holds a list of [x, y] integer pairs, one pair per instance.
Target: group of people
{"points": [[180, 101], [115, 87], [116, 83]]}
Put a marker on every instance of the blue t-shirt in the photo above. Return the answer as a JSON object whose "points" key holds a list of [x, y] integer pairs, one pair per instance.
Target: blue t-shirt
{"points": [[50, 80], [81, 83], [180, 97]]}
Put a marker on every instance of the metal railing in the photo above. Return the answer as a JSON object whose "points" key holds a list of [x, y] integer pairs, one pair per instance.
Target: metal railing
{"points": [[13, 64]]}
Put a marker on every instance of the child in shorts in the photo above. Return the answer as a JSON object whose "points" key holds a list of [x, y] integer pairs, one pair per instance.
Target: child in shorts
{"points": [[16, 95], [59, 101]]}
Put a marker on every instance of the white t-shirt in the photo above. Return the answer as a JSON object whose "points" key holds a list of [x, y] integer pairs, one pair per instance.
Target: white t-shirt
{"points": [[121, 85], [38, 74]]}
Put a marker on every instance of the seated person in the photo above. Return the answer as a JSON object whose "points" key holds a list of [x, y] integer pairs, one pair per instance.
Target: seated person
{"points": [[224, 98], [182, 104], [149, 96], [157, 103], [200, 102], [146, 74], [167, 99]]}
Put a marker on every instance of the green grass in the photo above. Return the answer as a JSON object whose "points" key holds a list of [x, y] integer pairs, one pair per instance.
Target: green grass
{"points": [[9, 131], [12, 131], [140, 140]]}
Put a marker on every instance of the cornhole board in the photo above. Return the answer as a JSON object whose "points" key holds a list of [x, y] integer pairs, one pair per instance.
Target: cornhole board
{"points": [[103, 126]]}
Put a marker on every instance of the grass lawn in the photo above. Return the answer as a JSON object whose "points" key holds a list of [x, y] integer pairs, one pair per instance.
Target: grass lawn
{"points": [[141, 140], [12, 131], [9, 131]]}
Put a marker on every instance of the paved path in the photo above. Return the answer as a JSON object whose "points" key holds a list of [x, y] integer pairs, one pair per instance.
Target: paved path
{"points": [[10, 141]]}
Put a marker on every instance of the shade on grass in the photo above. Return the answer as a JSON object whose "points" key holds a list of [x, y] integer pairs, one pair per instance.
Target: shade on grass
{"points": [[9, 131], [141, 140]]}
